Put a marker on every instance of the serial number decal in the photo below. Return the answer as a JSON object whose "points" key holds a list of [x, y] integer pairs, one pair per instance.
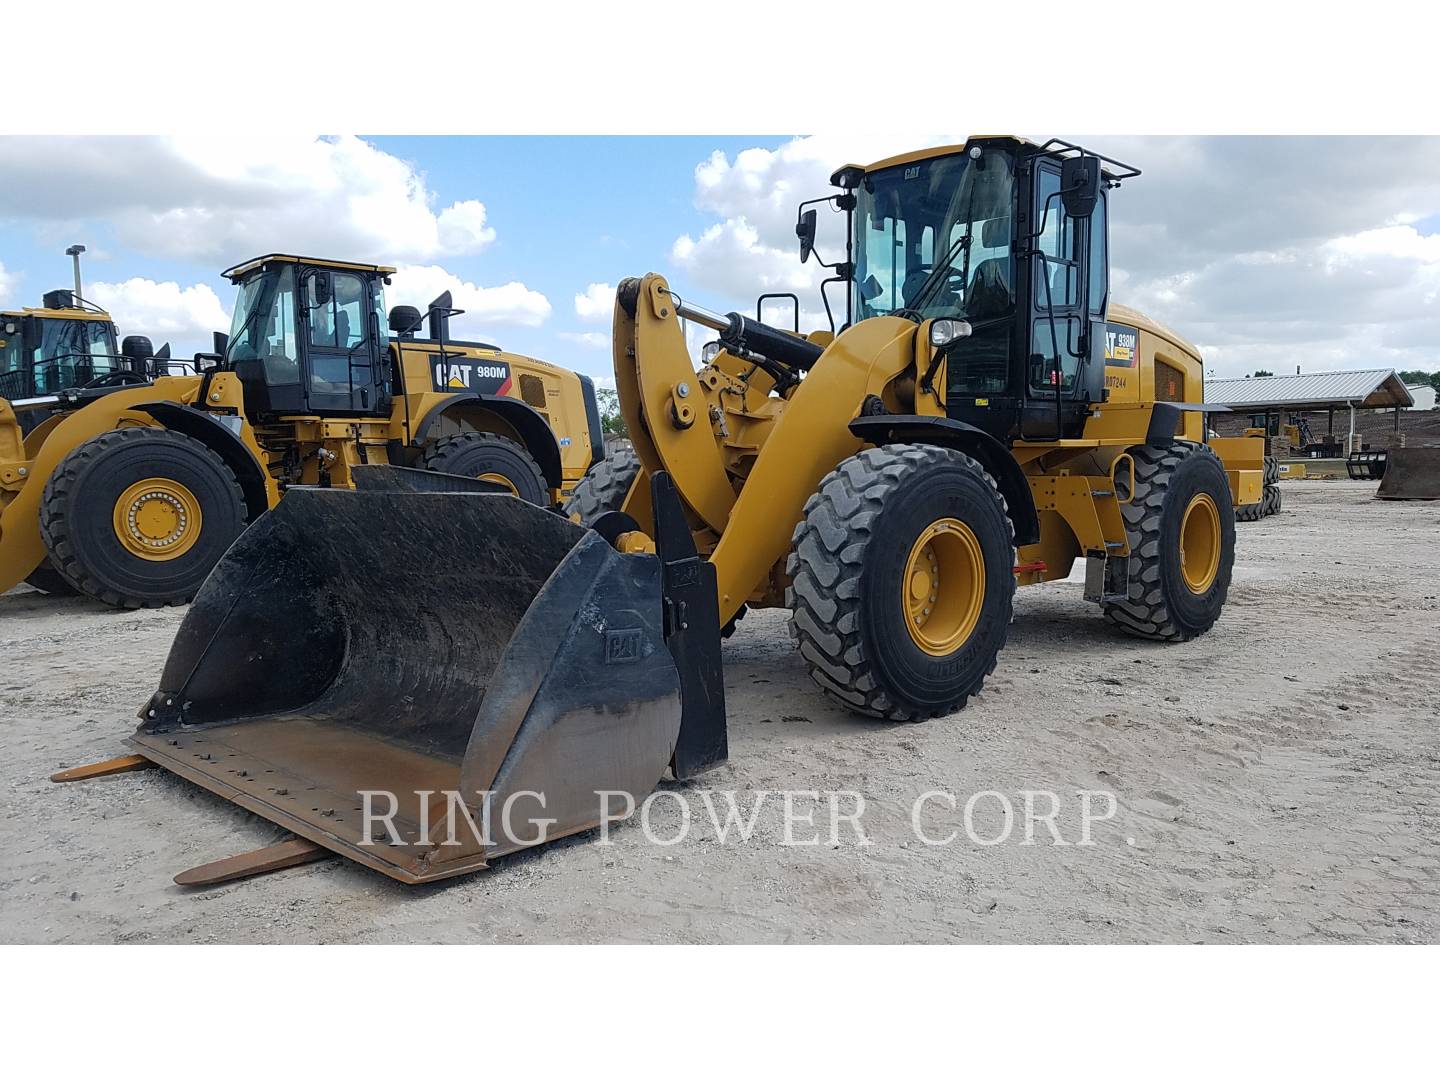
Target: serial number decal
{"points": [[1122, 345], [481, 377]]}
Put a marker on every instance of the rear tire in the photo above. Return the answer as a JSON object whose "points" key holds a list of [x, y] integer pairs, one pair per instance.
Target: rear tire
{"points": [[140, 489], [1251, 511], [1173, 599], [49, 580], [1270, 502], [483, 455], [604, 487], [856, 574]]}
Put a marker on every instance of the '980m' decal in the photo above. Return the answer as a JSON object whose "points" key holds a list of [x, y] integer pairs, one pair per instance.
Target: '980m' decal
{"points": [[476, 376]]}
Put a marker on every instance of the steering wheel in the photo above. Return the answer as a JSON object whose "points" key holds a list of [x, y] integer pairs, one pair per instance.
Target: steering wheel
{"points": [[954, 285]]}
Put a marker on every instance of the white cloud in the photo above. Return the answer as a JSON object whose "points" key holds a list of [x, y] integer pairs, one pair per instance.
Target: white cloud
{"points": [[8, 281], [596, 303], [512, 304], [228, 198], [161, 309], [590, 339], [754, 249]]}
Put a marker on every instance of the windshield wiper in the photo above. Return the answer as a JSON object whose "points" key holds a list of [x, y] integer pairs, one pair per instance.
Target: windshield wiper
{"points": [[914, 309]]}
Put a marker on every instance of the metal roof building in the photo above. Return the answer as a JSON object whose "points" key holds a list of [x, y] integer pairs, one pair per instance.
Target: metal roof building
{"points": [[1380, 388]]}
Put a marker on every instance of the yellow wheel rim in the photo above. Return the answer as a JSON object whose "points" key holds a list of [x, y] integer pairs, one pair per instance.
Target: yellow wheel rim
{"points": [[157, 519], [503, 481], [944, 586], [1200, 544]]}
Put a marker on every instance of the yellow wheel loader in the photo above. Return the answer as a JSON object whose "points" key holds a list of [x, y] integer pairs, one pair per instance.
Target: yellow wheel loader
{"points": [[132, 487], [67, 342], [985, 418]]}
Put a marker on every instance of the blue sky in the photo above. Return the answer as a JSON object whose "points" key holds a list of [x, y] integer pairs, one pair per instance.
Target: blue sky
{"points": [[1271, 253]]}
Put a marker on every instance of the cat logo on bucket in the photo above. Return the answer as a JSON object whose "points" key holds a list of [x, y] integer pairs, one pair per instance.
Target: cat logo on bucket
{"points": [[456, 374]]}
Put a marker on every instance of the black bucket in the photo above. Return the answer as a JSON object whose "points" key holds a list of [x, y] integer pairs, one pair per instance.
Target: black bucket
{"points": [[449, 652]]}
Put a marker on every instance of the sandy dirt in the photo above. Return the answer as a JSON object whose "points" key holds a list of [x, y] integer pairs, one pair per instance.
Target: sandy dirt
{"points": [[1276, 780]]}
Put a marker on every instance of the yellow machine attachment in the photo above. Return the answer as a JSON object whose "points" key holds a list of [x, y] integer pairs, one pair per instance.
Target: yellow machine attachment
{"points": [[131, 489]]}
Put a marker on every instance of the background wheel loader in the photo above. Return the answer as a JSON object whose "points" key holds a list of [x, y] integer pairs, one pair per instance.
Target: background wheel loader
{"points": [[985, 418], [133, 486], [66, 343]]}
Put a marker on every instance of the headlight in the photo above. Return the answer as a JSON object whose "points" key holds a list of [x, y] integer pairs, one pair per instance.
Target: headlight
{"points": [[947, 331], [709, 351]]}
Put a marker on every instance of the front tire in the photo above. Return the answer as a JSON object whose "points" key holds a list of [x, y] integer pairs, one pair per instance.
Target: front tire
{"points": [[485, 456], [138, 517], [604, 487], [1180, 524], [50, 581], [903, 581]]}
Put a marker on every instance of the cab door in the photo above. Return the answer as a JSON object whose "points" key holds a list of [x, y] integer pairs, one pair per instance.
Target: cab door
{"points": [[344, 350], [1064, 364]]}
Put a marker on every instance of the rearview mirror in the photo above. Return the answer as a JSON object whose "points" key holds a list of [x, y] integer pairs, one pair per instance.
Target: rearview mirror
{"points": [[443, 302], [221, 342], [320, 288], [805, 230], [1080, 185]]}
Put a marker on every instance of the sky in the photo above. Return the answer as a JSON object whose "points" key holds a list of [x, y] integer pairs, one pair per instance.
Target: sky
{"points": [[1269, 253]]}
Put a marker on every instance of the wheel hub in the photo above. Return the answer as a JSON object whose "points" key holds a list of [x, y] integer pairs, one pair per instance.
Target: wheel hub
{"points": [[944, 586], [157, 519], [1200, 544], [501, 479]]}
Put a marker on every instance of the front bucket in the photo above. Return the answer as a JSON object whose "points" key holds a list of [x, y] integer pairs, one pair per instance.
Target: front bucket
{"points": [[454, 655], [1411, 473]]}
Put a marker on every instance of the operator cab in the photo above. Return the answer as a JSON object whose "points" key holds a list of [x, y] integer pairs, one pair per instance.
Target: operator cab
{"points": [[308, 337], [63, 344], [1006, 243]]}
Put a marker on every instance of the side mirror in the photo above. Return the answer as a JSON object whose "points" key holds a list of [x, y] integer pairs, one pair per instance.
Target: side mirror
{"points": [[164, 353], [443, 302], [1080, 185], [805, 230], [221, 343], [870, 288], [320, 288]]}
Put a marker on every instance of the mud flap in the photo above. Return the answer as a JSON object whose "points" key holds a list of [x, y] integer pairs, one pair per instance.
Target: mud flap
{"points": [[421, 680]]}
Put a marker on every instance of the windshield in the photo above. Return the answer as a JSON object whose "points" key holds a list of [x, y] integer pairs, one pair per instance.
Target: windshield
{"points": [[71, 352], [263, 327], [951, 211]]}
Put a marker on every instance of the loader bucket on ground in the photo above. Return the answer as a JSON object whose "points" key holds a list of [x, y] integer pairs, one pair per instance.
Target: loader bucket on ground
{"points": [[1412, 472], [412, 645]]}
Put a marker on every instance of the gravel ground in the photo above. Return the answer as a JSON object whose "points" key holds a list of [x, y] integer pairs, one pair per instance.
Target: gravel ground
{"points": [[1275, 780]]}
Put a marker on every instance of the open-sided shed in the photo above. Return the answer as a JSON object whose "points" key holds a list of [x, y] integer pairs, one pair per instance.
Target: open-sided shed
{"points": [[1261, 400]]}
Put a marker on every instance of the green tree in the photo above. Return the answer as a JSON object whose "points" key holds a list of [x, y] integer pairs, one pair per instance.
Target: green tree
{"points": [[612, 420], [1263, 374], [1420, 378]]}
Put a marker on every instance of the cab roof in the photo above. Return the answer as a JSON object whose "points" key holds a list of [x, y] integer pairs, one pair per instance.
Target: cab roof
{"points": [[1114, 170], [260, 261], [939, 151], [68, 314]]}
